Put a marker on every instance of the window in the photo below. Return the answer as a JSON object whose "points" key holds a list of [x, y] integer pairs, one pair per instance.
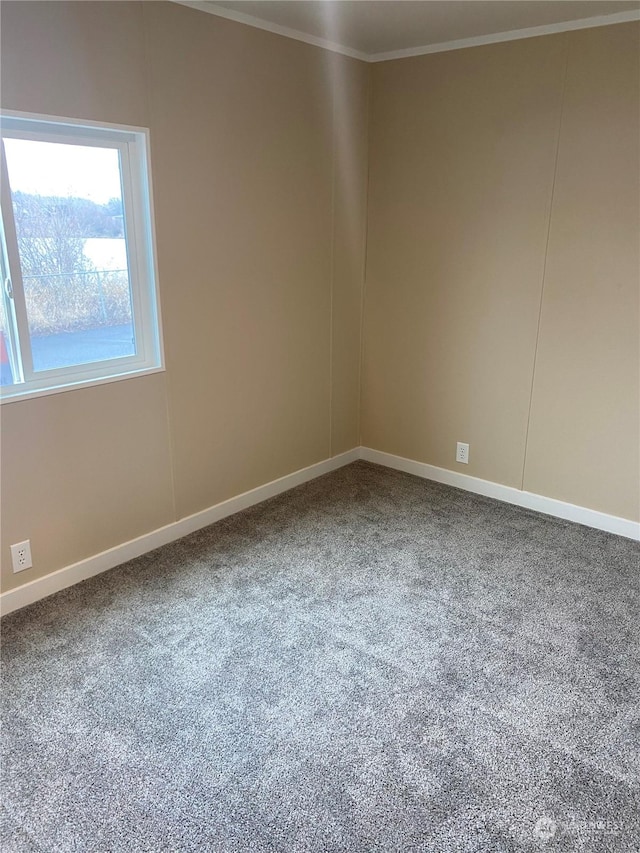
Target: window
{"points": [[79, 301]]}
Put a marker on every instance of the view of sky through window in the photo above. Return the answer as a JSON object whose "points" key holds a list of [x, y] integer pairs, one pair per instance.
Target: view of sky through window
{"points": [[56, 169]]}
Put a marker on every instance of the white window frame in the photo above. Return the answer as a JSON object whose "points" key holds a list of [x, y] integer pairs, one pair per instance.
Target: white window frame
{"points": [[132, 143]]}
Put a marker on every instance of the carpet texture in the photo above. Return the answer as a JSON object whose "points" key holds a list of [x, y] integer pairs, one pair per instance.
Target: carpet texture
{"points": [[369, 662]]}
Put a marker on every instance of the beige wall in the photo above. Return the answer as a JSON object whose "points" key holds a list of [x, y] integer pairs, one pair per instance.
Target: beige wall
{"points": [[584, 436], [349, 243], [260, 267], [475, 238], [501, 304]]}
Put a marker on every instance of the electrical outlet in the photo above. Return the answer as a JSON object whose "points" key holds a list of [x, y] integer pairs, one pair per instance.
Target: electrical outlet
{"points": [[462, 452], [21, 556]]}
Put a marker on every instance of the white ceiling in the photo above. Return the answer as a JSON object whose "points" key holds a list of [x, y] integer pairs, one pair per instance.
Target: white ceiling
{"points": [[383, 29]]}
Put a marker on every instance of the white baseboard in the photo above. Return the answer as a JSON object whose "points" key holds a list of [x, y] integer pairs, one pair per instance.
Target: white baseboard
{"points": [[548, 506], [34, 590]]}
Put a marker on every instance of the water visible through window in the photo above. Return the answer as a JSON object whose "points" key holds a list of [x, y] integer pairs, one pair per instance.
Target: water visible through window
{"points": [[69, 219]]}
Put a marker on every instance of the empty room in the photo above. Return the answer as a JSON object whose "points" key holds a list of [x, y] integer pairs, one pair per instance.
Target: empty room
{"points": [[320, 426]]}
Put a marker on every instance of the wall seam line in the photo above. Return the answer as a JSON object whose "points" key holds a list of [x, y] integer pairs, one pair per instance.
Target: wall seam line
{"points": [[546, 257], [365, 245], [332, 268], [167, 381]]}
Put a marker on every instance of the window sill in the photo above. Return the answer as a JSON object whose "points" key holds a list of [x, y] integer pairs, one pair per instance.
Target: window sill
{"points": [[11, 395]]}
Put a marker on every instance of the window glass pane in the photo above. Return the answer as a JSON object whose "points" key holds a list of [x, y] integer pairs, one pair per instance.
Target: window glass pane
{"points": [[68, 208]]}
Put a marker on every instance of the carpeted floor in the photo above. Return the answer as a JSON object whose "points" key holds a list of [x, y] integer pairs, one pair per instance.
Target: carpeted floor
{"points": [[370, 662]]}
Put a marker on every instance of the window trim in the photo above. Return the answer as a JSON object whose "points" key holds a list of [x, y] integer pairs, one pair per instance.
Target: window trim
{"points": [[133, 144]]}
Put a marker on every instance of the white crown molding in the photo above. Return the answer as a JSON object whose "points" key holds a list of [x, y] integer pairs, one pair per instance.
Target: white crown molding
{"points": [[288, 32], [421, 50], [511, 35], [529, 500]]}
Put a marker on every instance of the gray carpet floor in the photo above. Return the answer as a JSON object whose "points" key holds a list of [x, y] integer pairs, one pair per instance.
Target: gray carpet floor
{"points": [[369, 662]]}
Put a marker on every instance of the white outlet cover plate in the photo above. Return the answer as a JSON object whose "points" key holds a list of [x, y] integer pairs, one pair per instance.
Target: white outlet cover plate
{"points": [[462, 452], [21, 556]]}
